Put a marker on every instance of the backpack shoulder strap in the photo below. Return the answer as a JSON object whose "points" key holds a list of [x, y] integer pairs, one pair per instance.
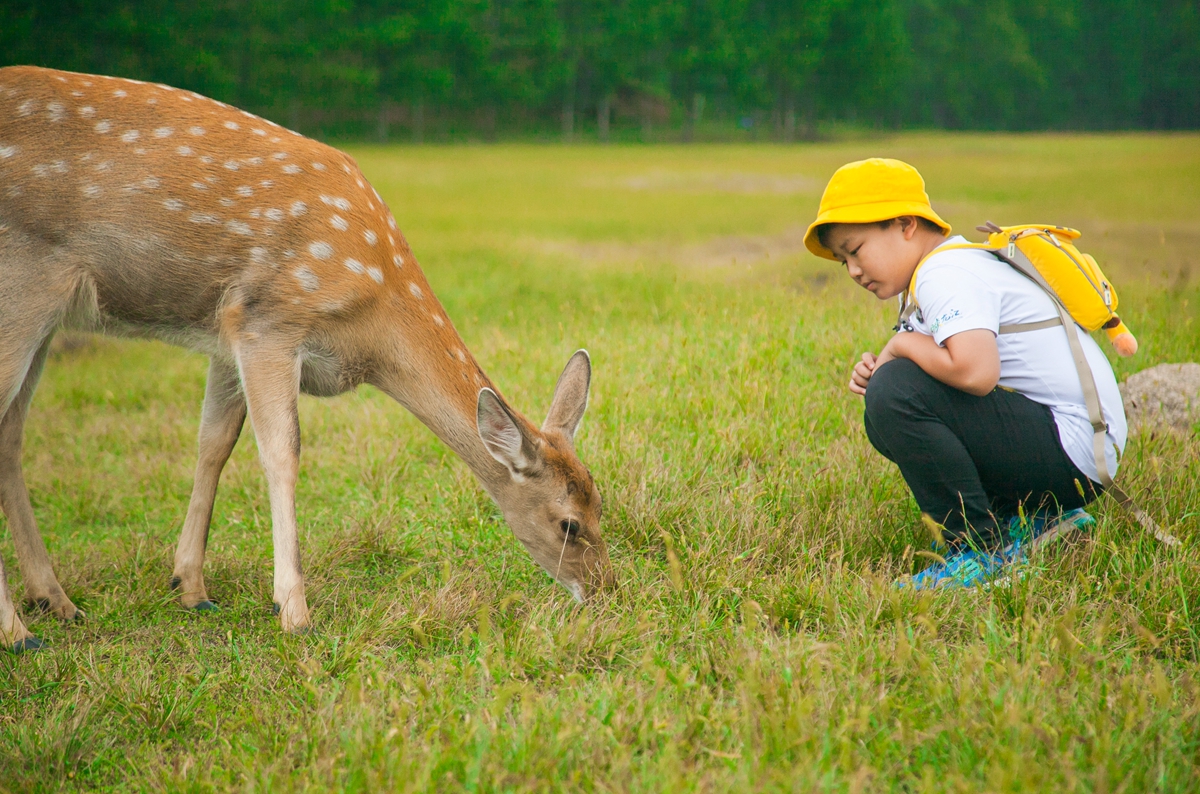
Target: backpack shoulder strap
{"points": [[908, 300]]}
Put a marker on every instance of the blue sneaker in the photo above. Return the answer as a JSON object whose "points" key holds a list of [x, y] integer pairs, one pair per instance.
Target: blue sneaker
{"points": [[1031, 532], [965, 568]]}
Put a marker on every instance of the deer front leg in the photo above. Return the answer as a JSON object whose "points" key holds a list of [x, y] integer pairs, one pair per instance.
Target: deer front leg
{"points": [[42, 590], [271, 382], [220, 425]]}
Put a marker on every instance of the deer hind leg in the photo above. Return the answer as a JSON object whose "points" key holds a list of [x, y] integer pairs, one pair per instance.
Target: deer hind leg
{"points": [[220, 425], [271, 382]]}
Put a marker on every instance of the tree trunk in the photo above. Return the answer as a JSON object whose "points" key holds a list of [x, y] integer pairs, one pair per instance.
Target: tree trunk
{"points": [[603, 113], [568, 113], [693, 117], [381, 129], [419, 121], [789, 117]]}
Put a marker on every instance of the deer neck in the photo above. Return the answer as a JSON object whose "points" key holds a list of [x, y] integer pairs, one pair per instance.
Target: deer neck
{"points": [[438, 380]]}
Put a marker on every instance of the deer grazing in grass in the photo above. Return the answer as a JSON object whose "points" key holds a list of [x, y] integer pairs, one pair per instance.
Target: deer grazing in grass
{"points": [[142, 210]]}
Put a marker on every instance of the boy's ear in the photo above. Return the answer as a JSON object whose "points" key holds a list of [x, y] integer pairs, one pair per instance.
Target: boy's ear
{"points": [[908, 225]]}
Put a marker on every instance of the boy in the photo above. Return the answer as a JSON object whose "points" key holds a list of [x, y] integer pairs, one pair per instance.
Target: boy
{"points": [[981, 425]]}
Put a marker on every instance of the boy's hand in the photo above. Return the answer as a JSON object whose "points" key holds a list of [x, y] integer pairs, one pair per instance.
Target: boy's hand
{"points": [[862, 373]]}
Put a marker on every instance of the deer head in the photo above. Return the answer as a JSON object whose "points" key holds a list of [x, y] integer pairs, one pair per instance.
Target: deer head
{"points": [[549, 499]]}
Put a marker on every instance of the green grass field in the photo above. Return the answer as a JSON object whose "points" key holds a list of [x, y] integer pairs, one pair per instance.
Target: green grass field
{"points": [[755, 642]]}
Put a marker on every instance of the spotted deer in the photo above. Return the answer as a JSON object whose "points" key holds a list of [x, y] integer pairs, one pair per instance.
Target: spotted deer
{"points": [[142, 210]]}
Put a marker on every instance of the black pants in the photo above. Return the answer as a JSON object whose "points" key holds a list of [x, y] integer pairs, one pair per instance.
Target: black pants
{"points": [[970, 461]]}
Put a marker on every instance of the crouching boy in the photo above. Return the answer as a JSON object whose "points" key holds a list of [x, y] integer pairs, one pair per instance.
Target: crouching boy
{"points": [[990, 431]]}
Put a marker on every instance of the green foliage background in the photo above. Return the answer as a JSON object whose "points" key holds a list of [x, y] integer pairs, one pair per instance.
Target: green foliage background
{"points": [[642, 69]]}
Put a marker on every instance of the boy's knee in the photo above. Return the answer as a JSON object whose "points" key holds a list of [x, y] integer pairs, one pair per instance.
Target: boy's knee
{"points": [[891, 387]]}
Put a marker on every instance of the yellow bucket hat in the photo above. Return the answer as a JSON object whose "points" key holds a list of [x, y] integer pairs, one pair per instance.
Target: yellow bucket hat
{"points": [[871, 190]]}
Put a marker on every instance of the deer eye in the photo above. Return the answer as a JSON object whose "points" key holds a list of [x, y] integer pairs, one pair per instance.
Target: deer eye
{"points": [[570, 527]]}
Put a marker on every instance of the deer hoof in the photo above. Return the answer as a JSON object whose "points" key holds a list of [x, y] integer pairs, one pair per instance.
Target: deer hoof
{"points": [[206, 606], [30, 643]]}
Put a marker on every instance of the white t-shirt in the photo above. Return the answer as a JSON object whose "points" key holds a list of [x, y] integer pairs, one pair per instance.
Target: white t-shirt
{"points": [[964, 289]]}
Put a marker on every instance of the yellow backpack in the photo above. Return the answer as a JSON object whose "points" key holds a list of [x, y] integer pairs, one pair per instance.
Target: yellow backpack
{"points": [[1083, 295]]}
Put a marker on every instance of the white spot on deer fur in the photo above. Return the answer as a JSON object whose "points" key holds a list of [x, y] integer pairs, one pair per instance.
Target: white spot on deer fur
{"points": [[200, 186], [206, 160], [245, 191], [267, 183], [184, 150], [173, 204], [139, 150], [339, 223], [354, 266], [391, 240], [151, 183], [41, 170], [255, 213], [237, 227], [203, 217], [392, 223], [186, 98], [279, 156], [26, 107], [298, 208], [254, 160], [358, 182], [307, 278], [103, 127], [12, 191], [87, 111], [437, 319], [104, 166], [334, 201], [320, 250], [163, 132], [461, 356], [291, 169], [289, 254], [370, 237], [345, 168], [232, 125], [225, 202], [258, 254], [56, 111], [83, 158], [91, 191], [376, 274], [259, 132], [130, 136], [152, 101], [274, 215], [415, 290], [318, 166], [232, 165], [119, 94], [59, 166], [8, 151], [398, 260], [196, 130], [197, 96]]}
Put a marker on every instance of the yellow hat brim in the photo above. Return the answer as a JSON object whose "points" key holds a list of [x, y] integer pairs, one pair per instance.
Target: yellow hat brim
{"points": [[867, 213]]}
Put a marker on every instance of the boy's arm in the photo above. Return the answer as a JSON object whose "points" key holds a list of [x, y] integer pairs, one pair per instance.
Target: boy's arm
{"points": [[969, 362]]}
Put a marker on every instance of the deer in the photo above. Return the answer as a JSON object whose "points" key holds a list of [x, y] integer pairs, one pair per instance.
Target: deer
{"points": [[141, 210]]}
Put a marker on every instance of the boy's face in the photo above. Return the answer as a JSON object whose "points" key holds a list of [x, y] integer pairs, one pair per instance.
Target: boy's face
{"points": [[880, 259]]}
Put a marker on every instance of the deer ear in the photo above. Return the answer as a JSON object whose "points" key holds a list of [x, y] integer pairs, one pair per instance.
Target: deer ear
{"points": [[570, 396], [502, 434]]}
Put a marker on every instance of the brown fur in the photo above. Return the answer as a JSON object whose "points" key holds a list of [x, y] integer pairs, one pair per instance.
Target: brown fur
{"points": [[138, 209]]}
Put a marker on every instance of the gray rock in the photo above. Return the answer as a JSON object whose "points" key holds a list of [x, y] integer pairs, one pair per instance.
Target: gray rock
{"points": [[1164, 396]]}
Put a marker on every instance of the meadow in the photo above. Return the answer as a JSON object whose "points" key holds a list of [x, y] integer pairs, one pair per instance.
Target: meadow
{"points": [[755, 641]]}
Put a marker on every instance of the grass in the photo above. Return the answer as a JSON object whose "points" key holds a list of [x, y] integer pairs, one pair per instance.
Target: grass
{"points": [[755, 643]]}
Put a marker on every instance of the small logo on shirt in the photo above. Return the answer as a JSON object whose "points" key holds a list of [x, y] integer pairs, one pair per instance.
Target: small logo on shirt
{"points": [[945, 319]]}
